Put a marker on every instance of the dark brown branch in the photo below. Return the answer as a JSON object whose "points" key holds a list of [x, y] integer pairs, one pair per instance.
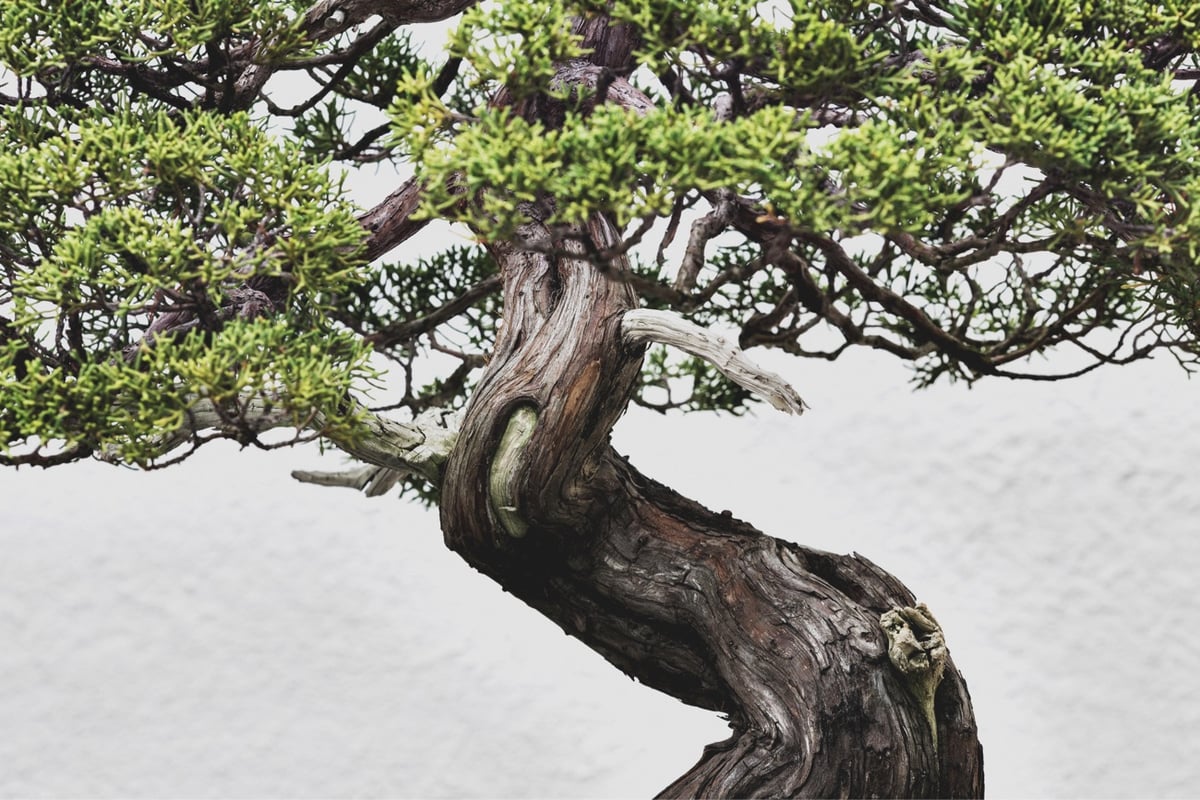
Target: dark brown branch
{"points": [[817, 301], [144, 80], [37, 459], [390, 222], [329, 18], [406, 330], [347, 59], [353, 151]]}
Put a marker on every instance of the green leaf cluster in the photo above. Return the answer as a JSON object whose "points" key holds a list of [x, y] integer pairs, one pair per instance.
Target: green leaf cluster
{"points": [[626, 164], [127, 408], [1131, 22], [117, 219], [811, 48], [516, 45], [126, 206], [41, 35]]}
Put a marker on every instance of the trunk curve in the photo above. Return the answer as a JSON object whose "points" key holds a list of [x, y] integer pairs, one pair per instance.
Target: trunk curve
{"points": [[785, 641]]}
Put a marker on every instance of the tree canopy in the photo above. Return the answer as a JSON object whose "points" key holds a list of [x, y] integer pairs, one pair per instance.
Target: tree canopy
{"points": [[616, 201], [961, 184]]}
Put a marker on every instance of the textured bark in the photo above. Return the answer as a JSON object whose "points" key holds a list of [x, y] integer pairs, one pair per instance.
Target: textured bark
{"points": [[784, 640]]}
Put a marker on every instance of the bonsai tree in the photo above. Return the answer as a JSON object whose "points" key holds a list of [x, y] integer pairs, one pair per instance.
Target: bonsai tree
{"points": [[616, 202]]}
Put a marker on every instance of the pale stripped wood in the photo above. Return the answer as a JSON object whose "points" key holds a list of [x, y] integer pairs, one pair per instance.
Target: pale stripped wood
{"points": [[643, 326]]}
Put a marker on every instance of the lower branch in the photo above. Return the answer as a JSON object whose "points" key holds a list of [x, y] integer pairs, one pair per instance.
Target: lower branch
{"points": [[391, 449]]}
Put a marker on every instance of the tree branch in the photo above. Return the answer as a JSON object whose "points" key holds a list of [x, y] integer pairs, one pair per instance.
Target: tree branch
{"points": [[406, 329], [438, 431], [420, 447], [641, 326], [329, 18], [390, 222]]}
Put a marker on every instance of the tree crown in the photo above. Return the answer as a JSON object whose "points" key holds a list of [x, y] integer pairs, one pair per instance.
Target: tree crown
{"points": [[962, 184]]}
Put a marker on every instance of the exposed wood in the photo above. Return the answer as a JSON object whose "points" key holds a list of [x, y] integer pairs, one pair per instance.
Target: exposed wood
{"points": [[371, 480], [419, 447], [643, 325], [784, 640]]}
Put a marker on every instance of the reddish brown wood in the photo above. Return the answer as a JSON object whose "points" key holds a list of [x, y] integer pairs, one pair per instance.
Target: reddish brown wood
{"points": [[784, 640]]}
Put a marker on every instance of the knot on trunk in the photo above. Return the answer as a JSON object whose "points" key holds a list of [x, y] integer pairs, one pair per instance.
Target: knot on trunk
{"points": [[917, 650]]}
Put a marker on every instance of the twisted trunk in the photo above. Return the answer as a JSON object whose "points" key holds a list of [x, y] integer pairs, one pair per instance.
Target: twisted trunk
{"points": [[785, 641]]}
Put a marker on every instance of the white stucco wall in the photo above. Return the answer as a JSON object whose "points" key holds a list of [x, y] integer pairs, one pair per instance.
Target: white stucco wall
{"points": [[215, 630]]}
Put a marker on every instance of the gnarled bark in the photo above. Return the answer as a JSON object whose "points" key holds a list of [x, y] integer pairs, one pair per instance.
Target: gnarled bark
{"points": [[784, 640]]}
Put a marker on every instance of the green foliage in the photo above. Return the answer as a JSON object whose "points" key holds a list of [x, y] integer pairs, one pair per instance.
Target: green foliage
{"points": [[407, 309], [1132, 22], [1091, 111], [518, 45], [36, 35], [196, 200], [963, 184], [1061, 93], [806, 47], [123, 217], [625, 164], [127, 408]]}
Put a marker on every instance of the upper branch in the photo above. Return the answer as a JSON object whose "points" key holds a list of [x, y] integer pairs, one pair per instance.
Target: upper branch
{"points": [[329, 18], [391, 221]]}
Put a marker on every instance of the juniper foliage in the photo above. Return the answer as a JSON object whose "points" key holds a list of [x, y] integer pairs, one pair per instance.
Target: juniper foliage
{"points": [[964, 184]]}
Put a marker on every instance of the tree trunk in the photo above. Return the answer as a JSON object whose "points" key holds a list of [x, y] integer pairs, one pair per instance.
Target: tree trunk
{"points": [[785, 641]]}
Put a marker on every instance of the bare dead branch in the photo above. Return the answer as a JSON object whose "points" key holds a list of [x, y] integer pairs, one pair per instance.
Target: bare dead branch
{"points": [[642, 326], [703, 231]]}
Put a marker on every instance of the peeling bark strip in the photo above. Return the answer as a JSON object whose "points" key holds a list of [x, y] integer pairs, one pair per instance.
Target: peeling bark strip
{"points": [[501, 477], [788, 642]]}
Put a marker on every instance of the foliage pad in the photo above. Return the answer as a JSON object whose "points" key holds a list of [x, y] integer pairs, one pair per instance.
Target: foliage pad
{"points": [[964, 185]]}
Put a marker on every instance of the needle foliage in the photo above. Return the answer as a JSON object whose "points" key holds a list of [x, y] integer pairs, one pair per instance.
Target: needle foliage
{"points": [[964, 184]]}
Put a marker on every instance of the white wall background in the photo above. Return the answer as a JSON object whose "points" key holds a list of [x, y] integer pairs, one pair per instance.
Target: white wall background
{"points": [[216, 630]]}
